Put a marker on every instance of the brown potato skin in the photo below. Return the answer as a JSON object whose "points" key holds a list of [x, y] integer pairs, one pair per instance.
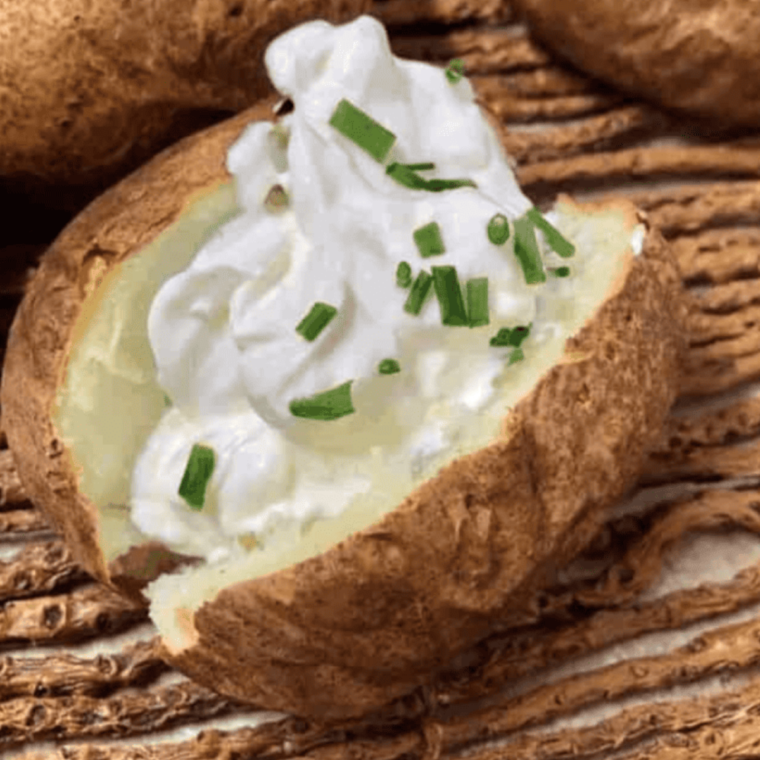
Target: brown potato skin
{"points": [[91, 90], [344, 633], [698, 56]]}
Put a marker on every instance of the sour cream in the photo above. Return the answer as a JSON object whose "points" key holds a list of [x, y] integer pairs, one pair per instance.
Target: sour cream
{"points": [[223, 331]]}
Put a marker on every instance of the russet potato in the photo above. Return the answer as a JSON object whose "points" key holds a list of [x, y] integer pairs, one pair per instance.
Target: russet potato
{"points": [[696, 56], [371, 615]]}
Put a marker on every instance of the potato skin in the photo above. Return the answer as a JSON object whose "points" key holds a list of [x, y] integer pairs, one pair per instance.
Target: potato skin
{"points": [[698, 56], [345, 632], [90, 90]]}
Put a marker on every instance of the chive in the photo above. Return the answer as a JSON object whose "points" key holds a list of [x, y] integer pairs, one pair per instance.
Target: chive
{"points": [[362, 129], [316, 320], [167, 400], [560, 271], [328, 405], [418, 293], [388, 367], [553, 236], [513, 337], [419, 167], [516, 356], [428, 240], [498, 229], [477, 301], [449, 296], [200, 466], [436, 185], [405, 175], [403, 275], [277, 198], [526, 250], [455, 70]]}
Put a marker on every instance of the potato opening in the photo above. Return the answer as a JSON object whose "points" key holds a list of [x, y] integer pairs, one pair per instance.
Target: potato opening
{"points": [[110, 402]]}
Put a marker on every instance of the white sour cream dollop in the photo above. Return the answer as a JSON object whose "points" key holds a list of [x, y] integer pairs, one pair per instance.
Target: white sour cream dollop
{"points": [[223, 330]]}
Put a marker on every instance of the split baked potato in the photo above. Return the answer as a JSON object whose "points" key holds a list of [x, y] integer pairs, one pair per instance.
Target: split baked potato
{"points": [[365, 606]]}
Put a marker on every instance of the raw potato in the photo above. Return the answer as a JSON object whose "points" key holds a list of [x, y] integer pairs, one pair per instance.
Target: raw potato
{"points": [[371, 618], [696, 55], [90, 90]]}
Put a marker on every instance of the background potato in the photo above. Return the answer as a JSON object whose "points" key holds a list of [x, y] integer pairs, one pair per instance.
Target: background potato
{"points": [[372, 618], [696, 55], [90, 90]]}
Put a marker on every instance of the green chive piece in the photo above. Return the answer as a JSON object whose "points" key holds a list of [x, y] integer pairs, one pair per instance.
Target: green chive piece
{"points": [[477, 301], [316, 320], [403, 275], [449, 296], [362, 129], [328, 405], [516, 356], [388, 367], [513, 337], [418, 293], [436, 185], [526, 250], [560, 272], [455, 70], [200, 466], [429, 241], [405, 175], [498, 229], [419, 167], [554, 237], [167, 400]]}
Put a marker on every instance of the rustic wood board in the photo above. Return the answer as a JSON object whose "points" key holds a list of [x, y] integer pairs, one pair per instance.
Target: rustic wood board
{"points": [[648, 648]]}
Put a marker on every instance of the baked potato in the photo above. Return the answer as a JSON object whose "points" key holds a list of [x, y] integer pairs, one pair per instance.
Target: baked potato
{"points": [[697, 57], [89, 91], [343, 611]]}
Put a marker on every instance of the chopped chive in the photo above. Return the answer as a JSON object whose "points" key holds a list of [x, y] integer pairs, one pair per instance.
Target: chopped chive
{"points": [[526, 250], [418, 293], [405, 175], [362, 129], [403, 275], [449, 296], [316, 320], [198, 471], [167, 400], [328, 405], [560, 272], [516, 356], [436, 185], [477, 301], [498, 229], [419, 167], [277, 198], [513, 337], [455, 70], [428, 240], [388, 367], [554, 237]]}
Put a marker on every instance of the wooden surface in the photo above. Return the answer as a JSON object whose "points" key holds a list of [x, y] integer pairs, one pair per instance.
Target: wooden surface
{"points": [[648, 649]]}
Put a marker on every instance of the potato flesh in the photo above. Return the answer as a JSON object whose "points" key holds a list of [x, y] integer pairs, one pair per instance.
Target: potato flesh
{"points": [[112, 359]]}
